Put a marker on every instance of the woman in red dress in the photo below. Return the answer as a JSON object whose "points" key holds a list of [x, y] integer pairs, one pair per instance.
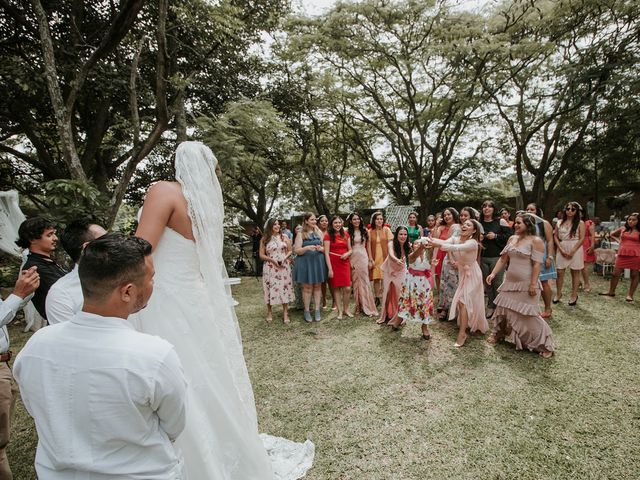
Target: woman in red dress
{"points": [[588, 246], [337, 250], [628, 256]]}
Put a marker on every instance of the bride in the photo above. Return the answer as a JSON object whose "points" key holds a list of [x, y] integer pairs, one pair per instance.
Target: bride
{"points": [[192, 308]]}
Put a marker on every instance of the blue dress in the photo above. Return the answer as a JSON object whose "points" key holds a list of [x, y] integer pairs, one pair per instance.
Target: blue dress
{"points": [[545, 273], [311, 267]]}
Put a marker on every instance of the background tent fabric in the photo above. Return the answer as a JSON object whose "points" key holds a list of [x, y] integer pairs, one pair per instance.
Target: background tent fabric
{"points": [[10, 219]]}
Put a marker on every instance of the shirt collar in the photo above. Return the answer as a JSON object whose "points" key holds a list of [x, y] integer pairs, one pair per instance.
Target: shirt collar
{"points": [[97, 321], [46, 258]]}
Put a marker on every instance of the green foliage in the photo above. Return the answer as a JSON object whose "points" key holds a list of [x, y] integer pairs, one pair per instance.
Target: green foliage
{"points": [[68, 200]]}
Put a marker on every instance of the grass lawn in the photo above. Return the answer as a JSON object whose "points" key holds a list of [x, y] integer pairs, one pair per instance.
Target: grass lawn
{"points": [[387, 405]]}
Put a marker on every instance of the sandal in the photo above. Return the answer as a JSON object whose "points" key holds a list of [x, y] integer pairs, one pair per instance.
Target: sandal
{"points": [[545, 314], [607, 294]]}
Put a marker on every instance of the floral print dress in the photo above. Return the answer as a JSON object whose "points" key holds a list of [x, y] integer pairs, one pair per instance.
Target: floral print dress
{"points": [[276, 281], [416, 297]]}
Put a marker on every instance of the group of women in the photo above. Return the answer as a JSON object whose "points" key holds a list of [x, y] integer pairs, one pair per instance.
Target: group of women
{"points": [[463, 255]]}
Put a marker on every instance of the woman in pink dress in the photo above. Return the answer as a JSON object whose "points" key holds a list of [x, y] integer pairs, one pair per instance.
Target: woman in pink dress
{"points": [[568, 237], [394, 269], [275, 250], [628, 256], [337, 251], [517, 314], [360, 263], [468, 301], [323, 225]]}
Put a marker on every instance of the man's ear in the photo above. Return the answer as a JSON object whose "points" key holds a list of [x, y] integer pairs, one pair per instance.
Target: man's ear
{"points": [[126, 292]]}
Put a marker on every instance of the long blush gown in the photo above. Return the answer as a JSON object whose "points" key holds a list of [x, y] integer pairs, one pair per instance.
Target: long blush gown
{"points": [[362, 293], [517, 314], [470, 291], [392, 283]]}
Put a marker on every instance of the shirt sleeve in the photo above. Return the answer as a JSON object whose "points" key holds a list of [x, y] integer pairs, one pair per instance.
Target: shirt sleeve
{"points": [[170, 395], [58, 307], [9, 308]]}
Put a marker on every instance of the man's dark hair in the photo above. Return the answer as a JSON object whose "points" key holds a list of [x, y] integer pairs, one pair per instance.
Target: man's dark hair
{"points": [[75, 235], [32, 229], [110, 261]]}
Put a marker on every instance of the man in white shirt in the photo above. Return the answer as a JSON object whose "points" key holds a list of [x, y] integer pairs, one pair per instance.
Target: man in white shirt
{"points": [[64, 298], [27, 283], [108, 401]]}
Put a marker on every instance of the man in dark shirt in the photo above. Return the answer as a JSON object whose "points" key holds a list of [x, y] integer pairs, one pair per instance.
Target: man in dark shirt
{"points": [[38, 234], [494, 240]]}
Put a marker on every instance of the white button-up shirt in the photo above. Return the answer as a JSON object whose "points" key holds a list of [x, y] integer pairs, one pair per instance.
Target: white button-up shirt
{"points": [[8, 310], [107, 400], [65, 298]]}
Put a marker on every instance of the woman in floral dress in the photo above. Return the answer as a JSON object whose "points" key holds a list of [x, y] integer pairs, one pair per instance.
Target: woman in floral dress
{"points": [[275, 250], [416, 297]]}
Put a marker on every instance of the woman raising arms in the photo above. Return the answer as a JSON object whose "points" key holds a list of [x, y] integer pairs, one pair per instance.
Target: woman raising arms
{"points": [[468, 301], [394, 268], [275, 250], [517, 314], [360, 264]]}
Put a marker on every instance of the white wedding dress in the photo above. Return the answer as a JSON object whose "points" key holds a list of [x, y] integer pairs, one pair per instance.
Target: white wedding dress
{"points": [[191, 308]]}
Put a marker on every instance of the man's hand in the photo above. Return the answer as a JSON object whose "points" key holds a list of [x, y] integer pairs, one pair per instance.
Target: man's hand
{"points": [[27, 283]]}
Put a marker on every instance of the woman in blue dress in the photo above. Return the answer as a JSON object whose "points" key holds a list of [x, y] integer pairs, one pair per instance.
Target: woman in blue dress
{"points": [[548, 268], [310, 268]]}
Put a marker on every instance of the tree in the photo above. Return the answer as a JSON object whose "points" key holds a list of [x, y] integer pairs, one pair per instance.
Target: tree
{"points": [[254, 148], [118, 79], [410, 97], [550, 64]]}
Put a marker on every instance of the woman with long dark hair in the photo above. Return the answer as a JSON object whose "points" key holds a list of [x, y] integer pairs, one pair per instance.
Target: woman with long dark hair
{"points": [[360, 264], [517, 315], [275, 250], [450, 218], [310, 269], [548, 272], [446, 261], [468, 302], [568, 236], [379, 238], [415, 230], [494, 240], [323, 225], [628, 256], [588, 247], [394, 268], [337, 250]]}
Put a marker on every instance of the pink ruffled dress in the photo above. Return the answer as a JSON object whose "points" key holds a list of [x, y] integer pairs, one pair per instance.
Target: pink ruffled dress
{"points": [[470, 291], [517, 314]]}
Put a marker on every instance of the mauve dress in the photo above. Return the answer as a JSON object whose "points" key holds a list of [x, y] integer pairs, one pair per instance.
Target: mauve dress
{"points": [[517, 314], [362, 294], [470, 290], [392, 282]]}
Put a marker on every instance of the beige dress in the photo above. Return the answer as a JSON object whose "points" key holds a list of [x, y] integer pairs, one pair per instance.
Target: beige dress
{"points": [[362, 293], [517, 314], [567, 242]]}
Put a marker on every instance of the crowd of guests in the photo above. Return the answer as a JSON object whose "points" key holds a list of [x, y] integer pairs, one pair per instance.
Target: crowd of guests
{"points": [[485, 269]]}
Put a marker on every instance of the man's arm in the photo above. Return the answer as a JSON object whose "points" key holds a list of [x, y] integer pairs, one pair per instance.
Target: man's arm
{"points": [[59, 306], [28, 281], [171, 395]]}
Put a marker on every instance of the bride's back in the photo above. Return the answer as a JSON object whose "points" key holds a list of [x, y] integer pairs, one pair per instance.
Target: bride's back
{"points": [[164, 206]]}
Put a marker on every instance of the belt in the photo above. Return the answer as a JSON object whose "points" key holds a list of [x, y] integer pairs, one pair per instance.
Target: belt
{"points": [[6, 356], [420, 273]]}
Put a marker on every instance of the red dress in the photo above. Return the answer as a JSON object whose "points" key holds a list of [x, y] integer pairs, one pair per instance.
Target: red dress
{"points": [[629, 252], [588, 257], [444, 234], [341, 268]]}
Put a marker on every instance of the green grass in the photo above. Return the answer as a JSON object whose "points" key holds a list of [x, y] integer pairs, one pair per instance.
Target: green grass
{"points": [[387, 405]]}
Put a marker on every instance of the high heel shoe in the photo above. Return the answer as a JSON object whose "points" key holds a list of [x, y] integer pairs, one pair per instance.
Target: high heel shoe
{"points": [[555, 301], [574, 303], [458, 345]]}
